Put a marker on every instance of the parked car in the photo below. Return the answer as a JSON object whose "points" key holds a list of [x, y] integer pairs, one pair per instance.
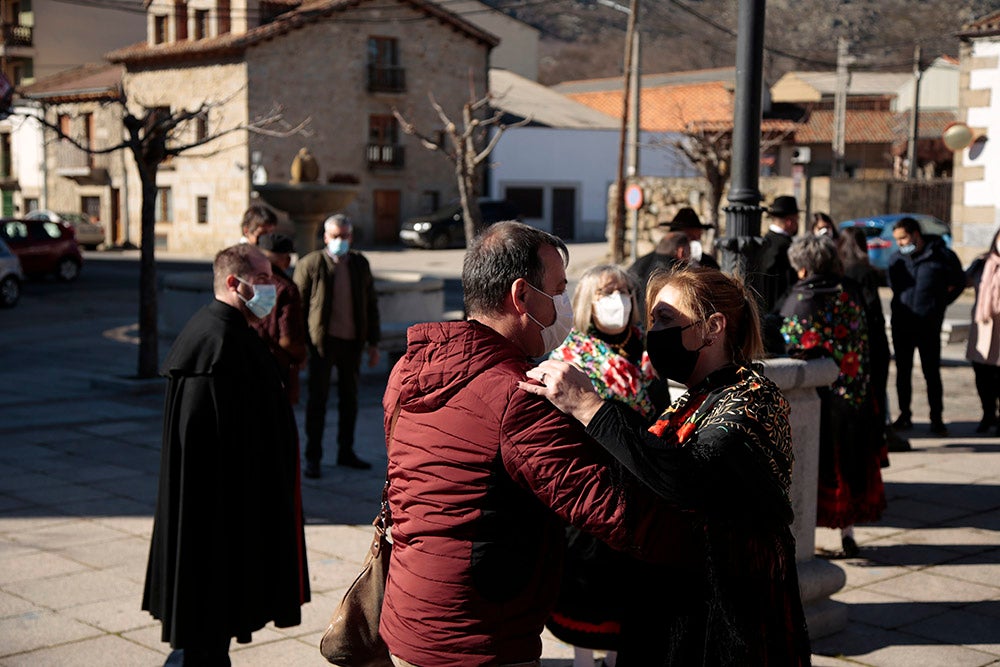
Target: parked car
{"points": [[878, 231], [88, 234], [44, 247], [11, 277], [445, 228]]}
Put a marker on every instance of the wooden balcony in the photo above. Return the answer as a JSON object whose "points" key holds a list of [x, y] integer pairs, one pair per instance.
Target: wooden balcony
{"points": [[386, 79], [385, 156], [15, 35]]}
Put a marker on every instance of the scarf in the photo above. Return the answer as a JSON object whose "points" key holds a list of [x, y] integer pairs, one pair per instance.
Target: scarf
{"points": [[988, 303]]}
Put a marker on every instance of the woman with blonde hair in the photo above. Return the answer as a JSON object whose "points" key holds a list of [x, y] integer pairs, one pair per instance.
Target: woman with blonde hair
{"points": [[722, 452], [607, 344]]}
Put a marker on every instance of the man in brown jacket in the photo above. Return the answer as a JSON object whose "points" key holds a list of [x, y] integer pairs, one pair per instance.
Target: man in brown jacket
{"points": [[338, 294]]}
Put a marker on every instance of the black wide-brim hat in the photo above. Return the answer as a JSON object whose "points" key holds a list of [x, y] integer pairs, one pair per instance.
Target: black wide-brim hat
{"points": [[686, 218], [784, 206]]}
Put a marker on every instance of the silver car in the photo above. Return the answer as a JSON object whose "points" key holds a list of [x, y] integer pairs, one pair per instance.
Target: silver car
{"points": [[11, 277], [88, 235]]}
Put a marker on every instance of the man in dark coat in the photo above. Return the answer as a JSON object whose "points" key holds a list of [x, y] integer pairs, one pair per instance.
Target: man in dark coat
{"points": [[342, 319], [777, 273], [925, 277], [228, 548]]}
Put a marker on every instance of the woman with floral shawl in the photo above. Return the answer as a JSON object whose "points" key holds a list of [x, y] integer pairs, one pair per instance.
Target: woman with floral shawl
{"points": [[824, 315], [607, 344]]}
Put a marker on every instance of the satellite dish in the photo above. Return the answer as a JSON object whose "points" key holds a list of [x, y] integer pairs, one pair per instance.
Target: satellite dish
{"points": [[957, 136]]}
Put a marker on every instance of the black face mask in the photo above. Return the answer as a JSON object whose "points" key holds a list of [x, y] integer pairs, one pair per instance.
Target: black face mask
{"points": [[670, 359]]}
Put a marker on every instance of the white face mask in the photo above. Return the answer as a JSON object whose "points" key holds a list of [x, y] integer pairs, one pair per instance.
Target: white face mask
{"points": [[262, 302], [696, 250], [554, 334], [612, 311]]}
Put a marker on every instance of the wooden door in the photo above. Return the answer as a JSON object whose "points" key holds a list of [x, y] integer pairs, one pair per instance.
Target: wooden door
{"points": [[116, 218], [386, 216]]}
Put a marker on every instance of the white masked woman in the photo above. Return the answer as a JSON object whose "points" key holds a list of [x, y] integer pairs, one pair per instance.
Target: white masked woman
{"points": [[607, 344]]}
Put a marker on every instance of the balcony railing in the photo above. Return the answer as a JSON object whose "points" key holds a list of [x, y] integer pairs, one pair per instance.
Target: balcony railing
{"points": [[385, 156], [386, 79], [15, 35]]}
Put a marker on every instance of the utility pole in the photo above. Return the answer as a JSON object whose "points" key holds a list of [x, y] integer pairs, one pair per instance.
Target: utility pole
{"points": [[911, 149], [840, 106], [616, 241], [634, 128]]}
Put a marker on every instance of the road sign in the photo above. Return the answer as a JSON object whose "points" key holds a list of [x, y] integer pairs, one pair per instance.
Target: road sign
{"points": [[633, 197]]}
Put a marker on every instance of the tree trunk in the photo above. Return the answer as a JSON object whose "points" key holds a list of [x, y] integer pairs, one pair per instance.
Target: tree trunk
{"points": [[149, 357]]}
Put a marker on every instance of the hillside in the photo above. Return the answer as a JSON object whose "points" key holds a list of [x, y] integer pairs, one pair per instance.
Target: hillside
{"points": [[584, 39]]}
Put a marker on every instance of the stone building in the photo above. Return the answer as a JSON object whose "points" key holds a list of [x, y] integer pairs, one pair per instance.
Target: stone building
{"points": [[84, 103], [342, 65], [975, 198]]}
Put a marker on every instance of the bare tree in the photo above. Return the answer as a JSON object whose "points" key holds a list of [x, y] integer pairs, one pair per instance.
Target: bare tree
{"points": [[709, 147], [154, 135], [467, 147]]}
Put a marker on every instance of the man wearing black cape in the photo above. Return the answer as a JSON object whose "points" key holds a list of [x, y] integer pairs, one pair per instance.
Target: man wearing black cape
{"points": [[228, 547]]}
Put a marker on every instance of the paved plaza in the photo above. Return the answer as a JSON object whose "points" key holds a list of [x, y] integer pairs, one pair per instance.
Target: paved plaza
{"points": [[79, 457]]}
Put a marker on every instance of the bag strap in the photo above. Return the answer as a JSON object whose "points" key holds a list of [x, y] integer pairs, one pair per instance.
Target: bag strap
{"points": [[384, 519]]}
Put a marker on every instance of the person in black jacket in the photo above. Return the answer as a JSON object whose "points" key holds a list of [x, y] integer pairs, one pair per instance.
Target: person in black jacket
{"points": [[777, 273], [227, 554], [925, 277]]}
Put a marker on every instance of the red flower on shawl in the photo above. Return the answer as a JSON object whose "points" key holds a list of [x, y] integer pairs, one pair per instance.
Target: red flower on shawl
{"points": [[620, 378], [843, 296], [567, 354], [840, 331], [660, 426], [810, 339], [850, 364], [684, 431]]}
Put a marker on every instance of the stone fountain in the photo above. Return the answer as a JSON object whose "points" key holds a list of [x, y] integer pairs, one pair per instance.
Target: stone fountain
{"points": [[307, 202]]}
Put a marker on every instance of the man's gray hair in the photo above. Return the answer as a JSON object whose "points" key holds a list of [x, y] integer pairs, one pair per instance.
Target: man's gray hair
{"points": [[339, 220]]}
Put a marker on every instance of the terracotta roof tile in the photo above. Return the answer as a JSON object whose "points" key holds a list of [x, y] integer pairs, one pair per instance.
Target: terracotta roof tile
{"points": [[307, 13], [871, 127], [91, 81], [984, 26], [668, 108]]}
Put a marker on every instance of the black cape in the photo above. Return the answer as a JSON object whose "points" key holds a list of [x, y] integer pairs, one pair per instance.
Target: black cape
{"points": [[228, 547]]}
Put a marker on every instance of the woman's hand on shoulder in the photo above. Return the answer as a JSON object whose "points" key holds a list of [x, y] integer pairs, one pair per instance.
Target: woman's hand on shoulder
{"points": [[566, 387]]}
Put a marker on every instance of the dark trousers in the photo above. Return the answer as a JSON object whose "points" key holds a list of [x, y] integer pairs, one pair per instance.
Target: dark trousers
{"points": [[988, 388], [345, 355], [909, 334]]}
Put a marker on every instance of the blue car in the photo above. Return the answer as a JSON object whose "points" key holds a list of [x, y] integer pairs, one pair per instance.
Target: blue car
{"points": [[878, 231]]}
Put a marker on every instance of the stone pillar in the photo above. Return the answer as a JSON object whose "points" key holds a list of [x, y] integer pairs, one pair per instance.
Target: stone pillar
{"points": [[818, 578]]}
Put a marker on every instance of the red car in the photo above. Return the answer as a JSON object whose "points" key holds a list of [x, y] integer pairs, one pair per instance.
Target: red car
{"points": [[43, 247]]}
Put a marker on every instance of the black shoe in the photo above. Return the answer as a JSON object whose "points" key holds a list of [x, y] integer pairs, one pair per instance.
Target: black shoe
{"points": [[352, 461], [985, 424], [938, 428], [850, 547], [902, 423], [312, 470], [896, 442]]}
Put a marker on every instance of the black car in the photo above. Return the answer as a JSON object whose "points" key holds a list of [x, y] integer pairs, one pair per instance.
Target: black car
{"points": [[444, 227]]}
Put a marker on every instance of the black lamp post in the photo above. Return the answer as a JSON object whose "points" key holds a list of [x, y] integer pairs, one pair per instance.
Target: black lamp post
{"points": [[740, 246]]}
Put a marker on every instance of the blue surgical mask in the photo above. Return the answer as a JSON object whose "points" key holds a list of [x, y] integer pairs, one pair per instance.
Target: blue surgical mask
{"points": [[338, 247], [907, 249], [262, 302]]}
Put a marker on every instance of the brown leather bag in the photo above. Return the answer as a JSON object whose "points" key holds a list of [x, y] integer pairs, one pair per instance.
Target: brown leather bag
{"points": [[352, 639]]}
